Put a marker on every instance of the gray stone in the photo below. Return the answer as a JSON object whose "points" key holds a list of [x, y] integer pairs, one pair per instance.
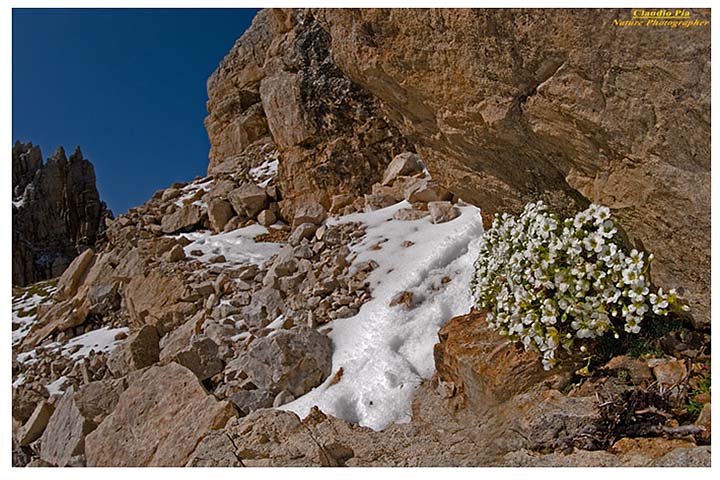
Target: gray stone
{"points": [[64, 436], [138, 351], [36, 424], [309, 212], [265, 306], [294, 360], [301, 232], [266, 218], [377, 201], [248, 200], [175, 254], [219, 213], [441, 212], [685, 457], [403, 164], [184, 219], [410, 214]]}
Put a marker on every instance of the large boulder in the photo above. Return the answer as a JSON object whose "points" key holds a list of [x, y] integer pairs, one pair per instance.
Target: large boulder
{"points": [[183, 219], [294, 360], [248, 200], [36, 424], [141, 349], [186, 346], [158, 421], [406, 163], [64, 436], [484, 368]]}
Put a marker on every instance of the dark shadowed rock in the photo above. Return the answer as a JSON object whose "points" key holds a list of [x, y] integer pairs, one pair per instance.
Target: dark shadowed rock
{"points": [[57, 212]]}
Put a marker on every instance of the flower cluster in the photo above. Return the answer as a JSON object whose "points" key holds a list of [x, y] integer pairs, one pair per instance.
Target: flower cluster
{"points": [[551, 283]]}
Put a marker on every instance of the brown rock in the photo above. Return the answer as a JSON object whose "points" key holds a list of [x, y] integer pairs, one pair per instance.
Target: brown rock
{"points": [[638, 369], [406, 163], [97, 400], [425, 190], [670, 373], [187, 347], [294, 360], [175, 254], [183, 219], [338, 202], [72, 278], [56, 213], [326, 147], [531, 123], [248, 200], [410, 214], [219, 212], [158, 421], [441, 212], [704, 420], [486, 368], [377, 201], [138, 351], [36, 424], [301, 232], [64, 436], [309, 212], [266, 218]]}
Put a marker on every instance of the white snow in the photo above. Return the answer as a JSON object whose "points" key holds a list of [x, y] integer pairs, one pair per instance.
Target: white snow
{"points": [[190, 190], [101, 340], [238, 246], [386, 351], [56, 386], [265, 172], [20, 380], [19, 203], [24, 310]]}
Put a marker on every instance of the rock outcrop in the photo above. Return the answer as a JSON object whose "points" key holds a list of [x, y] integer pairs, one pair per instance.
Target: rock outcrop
{"points": [[57, 212], [157, 422], [504, 106], [280, 87]]}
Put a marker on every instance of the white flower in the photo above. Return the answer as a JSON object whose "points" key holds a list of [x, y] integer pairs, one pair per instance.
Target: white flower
{"points": [[547, 282]]}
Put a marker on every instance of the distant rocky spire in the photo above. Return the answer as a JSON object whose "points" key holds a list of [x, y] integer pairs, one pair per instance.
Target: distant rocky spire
{"points": [[57, 212]]}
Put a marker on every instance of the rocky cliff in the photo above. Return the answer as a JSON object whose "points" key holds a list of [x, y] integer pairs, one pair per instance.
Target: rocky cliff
{"points": [[504, 107], [57, 212]]}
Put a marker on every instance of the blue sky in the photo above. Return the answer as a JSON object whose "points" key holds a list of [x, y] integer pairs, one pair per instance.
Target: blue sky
{"points": [[127, 85]]}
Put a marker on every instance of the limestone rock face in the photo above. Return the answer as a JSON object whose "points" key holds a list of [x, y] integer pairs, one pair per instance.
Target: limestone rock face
{"points": [[503, 106], [158, 421], [57, 212], [330, 133]]}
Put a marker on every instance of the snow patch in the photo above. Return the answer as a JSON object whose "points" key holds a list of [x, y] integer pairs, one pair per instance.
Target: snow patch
{"points": [[24, 310], [385, 352], [264, 173], [191, 189], [56, 386], [238, 246], [101, 340]]}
